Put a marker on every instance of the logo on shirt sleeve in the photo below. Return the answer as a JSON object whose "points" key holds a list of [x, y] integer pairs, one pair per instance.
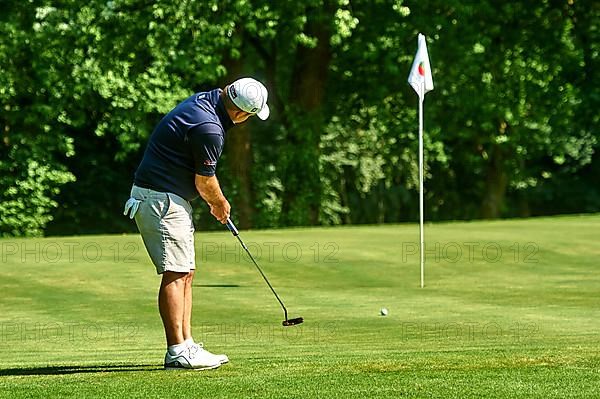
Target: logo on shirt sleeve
{"points": [[208, 162]]}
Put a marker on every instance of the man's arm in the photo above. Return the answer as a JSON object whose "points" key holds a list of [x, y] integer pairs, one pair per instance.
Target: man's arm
{"points": [[209, 189]]}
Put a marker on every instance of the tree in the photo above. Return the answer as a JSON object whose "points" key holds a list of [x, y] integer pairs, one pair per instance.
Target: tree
{"points": [[505, 103], [513, 116], [31, 151]]}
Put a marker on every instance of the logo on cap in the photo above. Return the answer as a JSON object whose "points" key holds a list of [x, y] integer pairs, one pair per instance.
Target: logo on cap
{"points": [[250, 96]]}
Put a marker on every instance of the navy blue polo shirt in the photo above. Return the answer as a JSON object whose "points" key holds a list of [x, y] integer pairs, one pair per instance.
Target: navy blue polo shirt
{"points": [[187, 141]]}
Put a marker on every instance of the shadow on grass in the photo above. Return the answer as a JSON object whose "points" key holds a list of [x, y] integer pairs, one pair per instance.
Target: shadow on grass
{"points": [[217, 285], [58, 370]]}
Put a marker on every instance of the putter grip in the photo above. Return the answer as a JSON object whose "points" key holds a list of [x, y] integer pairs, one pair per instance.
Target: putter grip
{"points": [[232, 228]]}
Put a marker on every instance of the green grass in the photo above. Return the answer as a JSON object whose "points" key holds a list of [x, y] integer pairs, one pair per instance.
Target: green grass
{"points": [[78, 315]]}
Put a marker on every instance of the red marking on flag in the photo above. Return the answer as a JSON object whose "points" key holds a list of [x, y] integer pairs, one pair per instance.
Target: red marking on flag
{"points": [[421, 69]]}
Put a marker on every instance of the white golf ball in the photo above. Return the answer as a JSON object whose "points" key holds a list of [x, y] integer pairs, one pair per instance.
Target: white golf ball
{"points": [[383, 312]]}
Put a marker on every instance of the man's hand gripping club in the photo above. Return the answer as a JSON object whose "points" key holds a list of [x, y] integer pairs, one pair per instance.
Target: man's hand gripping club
{"points": [[210, 191]]}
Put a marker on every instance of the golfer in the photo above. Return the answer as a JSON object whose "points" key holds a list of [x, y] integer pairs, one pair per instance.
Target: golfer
{"points": [[179, 164]]}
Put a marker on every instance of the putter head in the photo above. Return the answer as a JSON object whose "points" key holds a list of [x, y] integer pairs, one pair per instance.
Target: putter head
{"points": [[292, 322]]}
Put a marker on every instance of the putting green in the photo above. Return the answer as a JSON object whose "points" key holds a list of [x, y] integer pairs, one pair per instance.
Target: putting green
{"points": [[510, 309]]}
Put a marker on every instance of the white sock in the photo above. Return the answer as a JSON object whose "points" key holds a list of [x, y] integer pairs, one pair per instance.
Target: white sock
{"points": [[189, 341], [177, 349]]}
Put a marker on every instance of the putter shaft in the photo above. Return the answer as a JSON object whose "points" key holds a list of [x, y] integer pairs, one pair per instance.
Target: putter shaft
{"points": [[236, 234]]}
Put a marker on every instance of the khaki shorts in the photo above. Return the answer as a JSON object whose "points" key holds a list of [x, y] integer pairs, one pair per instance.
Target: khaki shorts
{"points": [[165, 223]]}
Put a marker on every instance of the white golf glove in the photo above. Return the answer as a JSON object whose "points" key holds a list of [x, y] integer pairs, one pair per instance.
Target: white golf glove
{"points": [[131, 207]]}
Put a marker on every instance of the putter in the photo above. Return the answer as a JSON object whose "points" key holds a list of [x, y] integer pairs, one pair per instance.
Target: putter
{"points": [[287, 322]]}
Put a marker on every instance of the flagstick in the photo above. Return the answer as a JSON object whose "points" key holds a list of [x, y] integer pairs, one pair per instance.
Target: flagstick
{"points": [[421, 80], [421, 232]]}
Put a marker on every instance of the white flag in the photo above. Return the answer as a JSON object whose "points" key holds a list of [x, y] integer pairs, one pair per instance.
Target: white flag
{"points": [[420, 74]]}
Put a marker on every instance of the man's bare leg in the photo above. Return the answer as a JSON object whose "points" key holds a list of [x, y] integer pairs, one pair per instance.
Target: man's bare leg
{"points": [[187, 314], [171, 305]]}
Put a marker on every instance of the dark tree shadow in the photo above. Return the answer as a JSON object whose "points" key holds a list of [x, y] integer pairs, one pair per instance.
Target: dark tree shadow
{"points": [[217, 285], [57, 370]]}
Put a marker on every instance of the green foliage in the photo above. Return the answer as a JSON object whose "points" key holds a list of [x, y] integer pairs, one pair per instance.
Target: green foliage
{"points": [[513, 102], [33, 138], [513, 115], [26, 199]]}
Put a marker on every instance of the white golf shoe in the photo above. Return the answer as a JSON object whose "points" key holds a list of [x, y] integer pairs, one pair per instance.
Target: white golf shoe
{"points": [[194, 357], [198, 347]]}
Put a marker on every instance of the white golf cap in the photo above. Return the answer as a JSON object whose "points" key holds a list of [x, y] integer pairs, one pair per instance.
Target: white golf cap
{"points": [[250, 96]]}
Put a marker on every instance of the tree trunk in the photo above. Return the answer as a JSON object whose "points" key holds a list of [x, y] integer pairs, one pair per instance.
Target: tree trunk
{"points": [[300, 167], [240, 163], [239, 156], [495, 185]]}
